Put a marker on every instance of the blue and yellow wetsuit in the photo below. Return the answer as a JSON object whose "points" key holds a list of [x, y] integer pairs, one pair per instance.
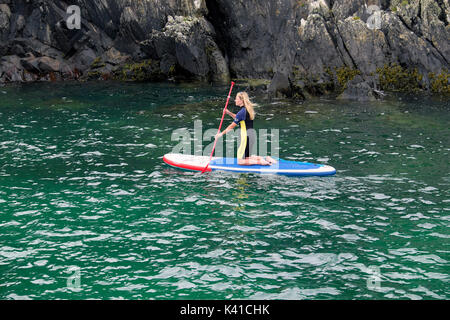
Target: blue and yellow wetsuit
{"points": [[243, 119]]}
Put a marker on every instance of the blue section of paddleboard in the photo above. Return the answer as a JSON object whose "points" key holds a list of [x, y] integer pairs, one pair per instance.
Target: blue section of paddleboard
{"points": [[301, 168]]}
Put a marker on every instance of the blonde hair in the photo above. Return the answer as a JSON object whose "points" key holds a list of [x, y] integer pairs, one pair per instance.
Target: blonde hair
{"points": [[247, 103]]}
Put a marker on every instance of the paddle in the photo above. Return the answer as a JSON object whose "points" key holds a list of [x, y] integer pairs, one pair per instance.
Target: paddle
{"points": [[220, 126]]}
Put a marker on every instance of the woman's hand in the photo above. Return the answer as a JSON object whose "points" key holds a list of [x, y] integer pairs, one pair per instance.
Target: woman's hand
{"points": [[218, 135]]}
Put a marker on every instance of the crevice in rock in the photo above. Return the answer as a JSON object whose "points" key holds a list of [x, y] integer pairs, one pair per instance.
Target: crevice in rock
{"points": [[419, 35], [442, 16], [78, 34], [333, 20], [420, 10], [218, 18], [389, 45], [417, 31], [385, 4], [73, 50], [437, 50]]}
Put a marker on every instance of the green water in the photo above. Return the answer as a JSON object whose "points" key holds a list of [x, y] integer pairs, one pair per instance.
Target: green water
{"points": [[86, 196]]}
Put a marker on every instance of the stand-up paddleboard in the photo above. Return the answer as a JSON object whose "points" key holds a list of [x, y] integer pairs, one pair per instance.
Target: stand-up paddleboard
{"points": [[284, 167]]}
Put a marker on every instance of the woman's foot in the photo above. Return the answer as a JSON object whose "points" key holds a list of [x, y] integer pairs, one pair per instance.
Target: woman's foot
{"points": [[261, 160], [271, 160]]}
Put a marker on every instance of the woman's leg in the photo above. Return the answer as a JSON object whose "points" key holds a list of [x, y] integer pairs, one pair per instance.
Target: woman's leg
{"points": [[244, 158], [257, 158]]}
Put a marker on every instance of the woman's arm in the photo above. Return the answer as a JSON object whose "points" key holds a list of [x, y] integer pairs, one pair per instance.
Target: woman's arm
{"points": [[224, 132], [231, 114]]}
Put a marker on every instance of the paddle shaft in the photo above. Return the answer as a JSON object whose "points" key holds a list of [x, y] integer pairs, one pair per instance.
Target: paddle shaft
{"points": [[220, 126]]}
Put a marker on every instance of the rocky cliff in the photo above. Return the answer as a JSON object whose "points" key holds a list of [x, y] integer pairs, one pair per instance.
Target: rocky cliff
{"points": [[296, 48]]}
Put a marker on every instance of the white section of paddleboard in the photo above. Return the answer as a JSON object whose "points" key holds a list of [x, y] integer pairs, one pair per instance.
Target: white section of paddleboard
{"points": [[189, 159]]}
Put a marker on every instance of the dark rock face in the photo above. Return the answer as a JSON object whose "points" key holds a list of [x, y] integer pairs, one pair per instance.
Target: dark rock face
{"points": [[300, 45], [358, 89], [280, 85], [257, 37], [188, 44]]}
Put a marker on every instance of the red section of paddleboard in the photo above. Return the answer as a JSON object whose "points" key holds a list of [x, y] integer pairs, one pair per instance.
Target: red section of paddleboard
{"points": [[184, 166]]}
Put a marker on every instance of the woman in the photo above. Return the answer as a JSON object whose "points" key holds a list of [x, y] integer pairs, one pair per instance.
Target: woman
{"points": [[245, 118]]}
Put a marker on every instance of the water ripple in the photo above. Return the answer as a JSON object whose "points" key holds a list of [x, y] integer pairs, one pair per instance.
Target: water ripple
{"points": [[84, 188]]}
